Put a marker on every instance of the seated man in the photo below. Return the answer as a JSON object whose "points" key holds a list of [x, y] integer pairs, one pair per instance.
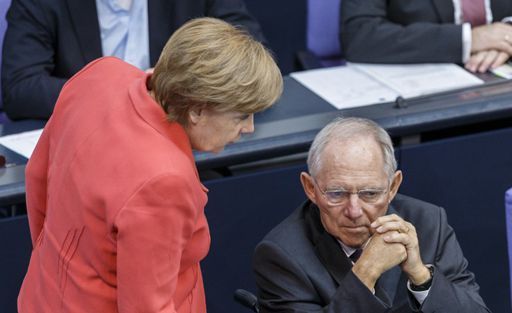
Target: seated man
{"points": [[470, 32], [48, 41], [358, 246]]}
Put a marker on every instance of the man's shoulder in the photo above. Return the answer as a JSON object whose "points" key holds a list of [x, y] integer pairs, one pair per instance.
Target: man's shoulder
{"points": [[292, 234], [418, 212], [290, 227], [291, 240]]}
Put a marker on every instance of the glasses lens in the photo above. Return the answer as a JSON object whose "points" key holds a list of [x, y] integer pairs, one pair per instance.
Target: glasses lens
{"points": [[370, 196], [341, 196], [336, 196]]}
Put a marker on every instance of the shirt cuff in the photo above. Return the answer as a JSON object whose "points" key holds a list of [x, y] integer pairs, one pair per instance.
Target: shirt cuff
{"points": [[419, 295], [466, 42], [507, 20]]}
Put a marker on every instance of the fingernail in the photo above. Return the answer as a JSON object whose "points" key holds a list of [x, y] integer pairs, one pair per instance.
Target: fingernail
{"points": [[380, 229]]}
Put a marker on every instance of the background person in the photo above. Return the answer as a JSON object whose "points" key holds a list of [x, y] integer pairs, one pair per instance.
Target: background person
{"points": [[48, 41], [470, 32], [115, 205]]}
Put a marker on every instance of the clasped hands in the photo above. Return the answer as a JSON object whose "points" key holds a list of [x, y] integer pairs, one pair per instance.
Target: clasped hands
{"points": [[491, 46], [394, 242]]}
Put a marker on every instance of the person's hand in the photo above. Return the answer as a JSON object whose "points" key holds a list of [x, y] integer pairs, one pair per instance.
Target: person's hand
{"points": [[485, 60], [394, 230], [495, 36], [378, 256]]}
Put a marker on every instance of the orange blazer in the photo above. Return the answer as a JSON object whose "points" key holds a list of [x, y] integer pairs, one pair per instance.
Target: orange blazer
{"points": [[115, 205]]}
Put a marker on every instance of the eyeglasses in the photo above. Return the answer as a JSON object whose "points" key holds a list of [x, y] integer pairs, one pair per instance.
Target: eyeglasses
{"points": [[339, 196]]}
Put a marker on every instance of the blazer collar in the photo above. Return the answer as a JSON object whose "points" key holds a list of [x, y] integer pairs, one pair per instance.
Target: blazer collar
{"points": [[155, 116], [327, 248], [84, 18], [334, 259]]}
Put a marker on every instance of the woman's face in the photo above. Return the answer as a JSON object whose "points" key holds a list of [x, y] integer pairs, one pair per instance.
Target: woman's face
{"points": [[210, 130]]}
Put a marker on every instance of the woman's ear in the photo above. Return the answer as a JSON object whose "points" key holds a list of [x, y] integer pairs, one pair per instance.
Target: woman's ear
{"points": [[195, 115]]}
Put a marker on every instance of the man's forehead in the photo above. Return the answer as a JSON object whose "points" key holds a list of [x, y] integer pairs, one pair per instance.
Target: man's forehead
{"points": [[355, 149]]}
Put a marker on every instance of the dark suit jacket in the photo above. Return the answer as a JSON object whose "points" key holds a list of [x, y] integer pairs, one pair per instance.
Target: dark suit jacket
{"points": [[299, 267], [48, 41], [398, 31]]}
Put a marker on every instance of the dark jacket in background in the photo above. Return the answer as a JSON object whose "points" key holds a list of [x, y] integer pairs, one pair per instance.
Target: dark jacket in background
{"points": [[405, 31], [48, 41]]}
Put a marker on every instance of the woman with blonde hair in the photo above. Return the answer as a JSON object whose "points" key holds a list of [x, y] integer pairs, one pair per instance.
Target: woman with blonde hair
{"points": [[115, 205]]}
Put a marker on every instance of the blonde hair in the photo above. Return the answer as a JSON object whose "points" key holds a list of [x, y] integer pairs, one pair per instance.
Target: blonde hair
{"points": [[209, 63]]}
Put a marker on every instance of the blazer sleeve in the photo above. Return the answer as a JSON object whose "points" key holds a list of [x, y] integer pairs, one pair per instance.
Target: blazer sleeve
{"points": [[28, 87], [454, 288], [284, 286], [152, 231], [367, 35], [236, 13]]}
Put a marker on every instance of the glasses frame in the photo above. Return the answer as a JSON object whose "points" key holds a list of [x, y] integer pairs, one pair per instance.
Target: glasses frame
{"points": [[346, 194]]}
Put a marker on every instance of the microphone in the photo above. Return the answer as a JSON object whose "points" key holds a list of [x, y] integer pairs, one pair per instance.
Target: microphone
{"points": [[247, 299]]}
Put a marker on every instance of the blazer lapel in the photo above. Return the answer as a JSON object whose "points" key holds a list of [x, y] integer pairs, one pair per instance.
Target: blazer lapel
{"points": [[84, 18], [338, 264], [327, 248], [391, 280], [445, 10]]}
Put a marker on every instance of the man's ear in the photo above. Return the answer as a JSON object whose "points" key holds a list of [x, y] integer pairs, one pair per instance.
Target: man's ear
{"points": [[395, 184], [309, 187]]}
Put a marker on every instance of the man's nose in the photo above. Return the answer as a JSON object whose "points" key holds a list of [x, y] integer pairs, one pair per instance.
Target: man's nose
{"points": [[353, 209]]}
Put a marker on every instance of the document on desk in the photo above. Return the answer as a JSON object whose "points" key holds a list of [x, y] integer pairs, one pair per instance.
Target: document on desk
{"points": [[22, 143], [358, 84], [345, 86], [412, 80]]}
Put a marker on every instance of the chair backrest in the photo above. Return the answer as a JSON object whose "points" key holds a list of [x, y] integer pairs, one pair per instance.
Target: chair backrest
{"points": [[4, 6], [323, 28], [508, 210]]}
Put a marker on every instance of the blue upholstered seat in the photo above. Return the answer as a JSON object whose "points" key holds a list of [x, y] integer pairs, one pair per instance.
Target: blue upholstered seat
{"points": [[322, 35]]}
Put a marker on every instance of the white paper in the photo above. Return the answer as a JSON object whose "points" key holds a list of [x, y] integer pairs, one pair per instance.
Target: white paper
{"points": [[345, 87], [503, 71], [359, 84], [22, 143], [411, 80]]}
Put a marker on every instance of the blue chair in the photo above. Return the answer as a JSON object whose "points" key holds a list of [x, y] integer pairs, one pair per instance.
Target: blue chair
{"points": [[323, 44], [508, 209]]}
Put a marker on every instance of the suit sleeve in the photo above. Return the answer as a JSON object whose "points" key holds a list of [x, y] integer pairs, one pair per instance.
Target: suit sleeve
{"points": [[152, 230], [368, 35], [236, 13], [29, 89], [285, 287], [454, 288]]}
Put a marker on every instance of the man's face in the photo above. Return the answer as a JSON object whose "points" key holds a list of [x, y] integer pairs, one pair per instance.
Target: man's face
{"points": [[354, 166]]}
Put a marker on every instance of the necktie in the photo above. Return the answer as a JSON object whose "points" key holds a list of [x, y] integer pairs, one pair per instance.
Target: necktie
{"points": [[473, 11], [355, 255]]}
